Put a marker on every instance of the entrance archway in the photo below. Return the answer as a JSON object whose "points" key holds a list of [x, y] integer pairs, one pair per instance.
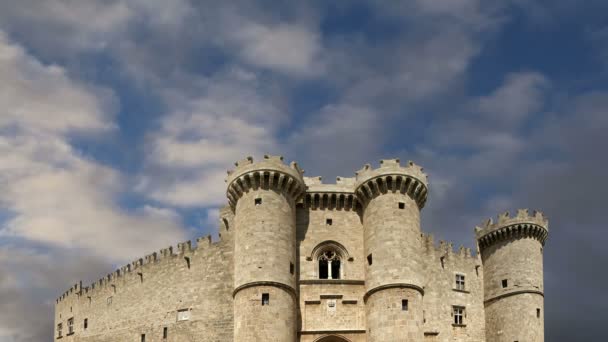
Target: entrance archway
{"points": [[332, 338]]}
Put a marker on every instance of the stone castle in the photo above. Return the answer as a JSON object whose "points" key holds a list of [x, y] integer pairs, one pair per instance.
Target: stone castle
{"points": [[300, 260]]}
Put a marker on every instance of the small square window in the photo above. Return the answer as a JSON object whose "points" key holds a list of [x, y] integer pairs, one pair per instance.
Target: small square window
{"points": [[404, 305], [458, 313], [329, 222], [504, 283], [401, 205], [369, 259], [265, 299], [183, 315], [258, 201], [460, 282]]}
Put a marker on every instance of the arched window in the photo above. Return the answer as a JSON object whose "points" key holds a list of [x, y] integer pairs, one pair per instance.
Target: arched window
{"points": [[329, 265]]}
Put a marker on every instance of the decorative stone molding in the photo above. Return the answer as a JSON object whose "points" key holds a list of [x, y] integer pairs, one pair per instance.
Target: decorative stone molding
{"points": [[522, 225]]}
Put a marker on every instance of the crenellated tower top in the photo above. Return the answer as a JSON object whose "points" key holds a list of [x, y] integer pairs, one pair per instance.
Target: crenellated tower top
{"points": [[522, 224], [391, 176], [268, 173]]}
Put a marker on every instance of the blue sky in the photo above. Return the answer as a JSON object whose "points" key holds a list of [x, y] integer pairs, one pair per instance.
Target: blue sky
{"points": [[119, 119]]}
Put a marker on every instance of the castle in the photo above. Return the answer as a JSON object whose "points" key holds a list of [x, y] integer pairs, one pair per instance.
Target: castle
{"points": [[300, 260]]}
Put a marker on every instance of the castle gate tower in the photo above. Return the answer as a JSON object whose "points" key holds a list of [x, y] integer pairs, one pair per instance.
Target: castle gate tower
{"points": [[512, 256], [392, 197], [263, 196]]}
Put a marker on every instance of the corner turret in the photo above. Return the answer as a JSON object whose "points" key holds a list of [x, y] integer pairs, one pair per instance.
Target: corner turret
{"points": [[512, 256]]}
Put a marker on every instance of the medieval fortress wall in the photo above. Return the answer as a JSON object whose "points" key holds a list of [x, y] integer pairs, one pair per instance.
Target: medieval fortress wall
{"points": [[300, 260]]}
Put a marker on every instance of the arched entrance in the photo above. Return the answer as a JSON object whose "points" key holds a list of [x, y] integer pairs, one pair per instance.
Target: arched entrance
{"points": [[332, 338]]}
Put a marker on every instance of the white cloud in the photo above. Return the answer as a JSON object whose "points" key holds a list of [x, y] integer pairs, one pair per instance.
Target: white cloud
{"points": [[233, 116], [55, 195], [290, 48]]}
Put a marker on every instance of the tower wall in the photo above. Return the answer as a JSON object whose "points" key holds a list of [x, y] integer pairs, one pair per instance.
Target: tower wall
{"points": [[392, 197], [263, 195], [512, 257]]}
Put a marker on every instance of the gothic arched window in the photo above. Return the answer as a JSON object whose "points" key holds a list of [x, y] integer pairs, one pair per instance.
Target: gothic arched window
{"points": [[329, 265]]}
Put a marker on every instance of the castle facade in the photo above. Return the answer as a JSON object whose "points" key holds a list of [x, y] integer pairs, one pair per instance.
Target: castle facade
{"points": [[300, 260]]}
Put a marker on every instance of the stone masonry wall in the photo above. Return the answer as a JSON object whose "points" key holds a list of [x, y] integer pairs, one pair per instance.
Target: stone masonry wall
{"points": [[146, 299], [441, 293]]}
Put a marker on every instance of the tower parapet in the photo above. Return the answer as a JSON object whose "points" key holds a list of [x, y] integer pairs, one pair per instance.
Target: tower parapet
{"points": [[392, 177], [535, 225], [512, 256], [268, 173]]}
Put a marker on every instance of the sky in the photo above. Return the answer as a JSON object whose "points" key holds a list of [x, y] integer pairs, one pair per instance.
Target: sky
{"points": [[119, 119]]}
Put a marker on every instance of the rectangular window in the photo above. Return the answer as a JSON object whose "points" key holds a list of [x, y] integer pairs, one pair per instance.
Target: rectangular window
{"points": [[258, 201], [143, 337], [329, 222], [183, 315], [165, 333], [369, 259], [86, 323], [70, 326], [401, 205], [458, 315], [404, 305], [292, 268], [59, 330], [460, 282], [504, 283], [265, 299], [538, 313]]}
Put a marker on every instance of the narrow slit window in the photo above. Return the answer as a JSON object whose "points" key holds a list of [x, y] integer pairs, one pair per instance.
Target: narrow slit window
{"points": [[404, 305], [59, 330], [505, 283], [265, 299], [258, 201], [369, 259], [187, 262], [71, 326], [538, 313], [86, 323], [141, 277], [143, 337], [329, 222], [165, 333], [292, 268], [401, 205]]}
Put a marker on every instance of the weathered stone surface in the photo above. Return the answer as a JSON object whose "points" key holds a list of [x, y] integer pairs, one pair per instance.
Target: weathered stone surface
{"points": [[282, 236]]}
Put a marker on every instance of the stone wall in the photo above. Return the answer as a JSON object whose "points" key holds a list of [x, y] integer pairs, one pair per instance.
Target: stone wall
{"points": [[146, 299], [441, 293]]}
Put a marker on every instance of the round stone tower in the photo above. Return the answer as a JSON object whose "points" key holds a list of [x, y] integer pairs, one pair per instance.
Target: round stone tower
{"points": [[392, 197], [512, 256], [263, 196]]}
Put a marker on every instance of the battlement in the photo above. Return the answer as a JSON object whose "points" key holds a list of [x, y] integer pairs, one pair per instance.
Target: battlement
{"points": [[269, 172], [535, 225], [445, 248], [393, 177], [137, 266]]}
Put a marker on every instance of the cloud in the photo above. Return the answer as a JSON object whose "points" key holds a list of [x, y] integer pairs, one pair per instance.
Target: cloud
{"points": [[54, 194], [234, 114], [520, 95], [293, 49]]}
